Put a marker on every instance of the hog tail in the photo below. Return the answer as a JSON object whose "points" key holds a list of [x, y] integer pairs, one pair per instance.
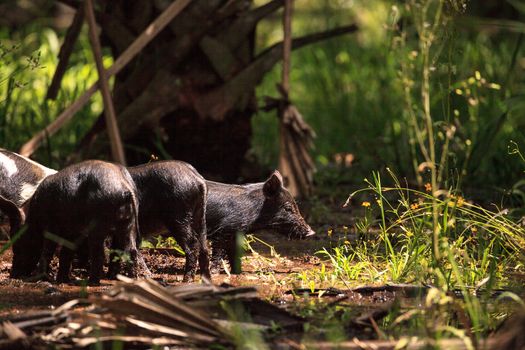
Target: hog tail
{"points": [[199, 217], [16, 216], [134, 202], [199, 226]]}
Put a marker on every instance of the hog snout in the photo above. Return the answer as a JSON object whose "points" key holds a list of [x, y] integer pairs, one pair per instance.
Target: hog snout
{"points": [[307, 233], [301, 232], [310, 232]]}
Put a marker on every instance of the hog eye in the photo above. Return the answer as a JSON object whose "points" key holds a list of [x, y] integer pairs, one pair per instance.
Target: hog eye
{"points": [[288, 207]]}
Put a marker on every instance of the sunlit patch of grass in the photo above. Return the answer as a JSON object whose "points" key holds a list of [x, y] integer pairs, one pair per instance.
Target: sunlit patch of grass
{"points": [[473, 237], [162, 242]]}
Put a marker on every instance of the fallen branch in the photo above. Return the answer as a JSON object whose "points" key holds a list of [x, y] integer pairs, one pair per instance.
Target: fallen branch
{"points": [[65, 52], [236, 33], [216, 103], [117, 150]]}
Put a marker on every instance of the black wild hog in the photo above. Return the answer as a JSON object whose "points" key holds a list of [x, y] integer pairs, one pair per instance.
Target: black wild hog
{"points": [[88, 201], [172, 197], [252, 207], [19, 177]]}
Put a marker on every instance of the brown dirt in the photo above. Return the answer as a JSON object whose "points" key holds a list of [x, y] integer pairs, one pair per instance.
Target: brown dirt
{"points": [[268, 272], [18, 297]]}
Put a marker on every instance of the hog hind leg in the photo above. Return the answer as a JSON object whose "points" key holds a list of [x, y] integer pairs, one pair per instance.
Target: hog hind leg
{"points": [[190, 244]]}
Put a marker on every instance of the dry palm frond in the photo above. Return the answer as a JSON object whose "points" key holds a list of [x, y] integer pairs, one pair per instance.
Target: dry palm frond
{"points": [[141, 313]]}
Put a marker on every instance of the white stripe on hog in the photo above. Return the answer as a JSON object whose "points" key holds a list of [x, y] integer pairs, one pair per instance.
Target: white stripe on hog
{"points": [[27, 190], [8, 164], [47, 171]]}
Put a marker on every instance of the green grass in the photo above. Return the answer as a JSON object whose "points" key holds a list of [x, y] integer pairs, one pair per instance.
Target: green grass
{"points": [[162, 242], [399, 250]]}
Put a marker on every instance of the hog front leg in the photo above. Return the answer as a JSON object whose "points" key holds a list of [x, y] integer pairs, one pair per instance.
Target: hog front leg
{"points": [[219, 248], [48, 251], [27, 251], [64, 265], [123, 241], [189, 243], [224, 248], [96, 255]]}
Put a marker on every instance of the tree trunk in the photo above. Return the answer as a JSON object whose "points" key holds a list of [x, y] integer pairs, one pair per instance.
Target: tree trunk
{"points": [[190, 94], [155, 95]]}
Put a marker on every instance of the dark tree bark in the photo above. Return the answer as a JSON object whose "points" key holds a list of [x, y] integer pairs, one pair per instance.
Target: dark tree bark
{"points": [[190, 94]]}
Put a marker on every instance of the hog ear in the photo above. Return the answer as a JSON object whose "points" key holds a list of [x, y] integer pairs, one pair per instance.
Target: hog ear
{"points": [[273, 185]]}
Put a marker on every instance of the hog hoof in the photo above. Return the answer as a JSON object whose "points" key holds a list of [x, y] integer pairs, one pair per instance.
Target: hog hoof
{"points": [[38, 277], [188, 278], [132, 273], [51, 291], [63, 279], [206, 277], [16, 276], [19, 274], [217, 266], [111, 275], [113, 270], [147, 274], [143, 270], [162, 282], [94, 282]]}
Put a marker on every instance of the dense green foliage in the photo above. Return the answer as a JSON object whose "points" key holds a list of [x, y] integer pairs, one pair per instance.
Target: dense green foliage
{"points": [[352, 91]]}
